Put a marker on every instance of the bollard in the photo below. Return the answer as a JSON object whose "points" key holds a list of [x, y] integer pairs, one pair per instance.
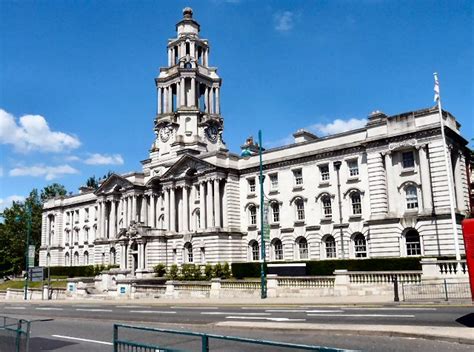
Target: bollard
{"points": [[396, 298]]}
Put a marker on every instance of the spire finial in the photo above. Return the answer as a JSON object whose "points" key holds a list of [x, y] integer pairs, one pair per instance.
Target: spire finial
{"points": [[187, 13]]}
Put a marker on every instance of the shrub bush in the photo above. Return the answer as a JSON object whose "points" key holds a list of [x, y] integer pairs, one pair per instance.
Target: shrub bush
{"points": [[190, 272], [327, 267], [160, 270], [208, 271], [173, 272], [79, 271]]}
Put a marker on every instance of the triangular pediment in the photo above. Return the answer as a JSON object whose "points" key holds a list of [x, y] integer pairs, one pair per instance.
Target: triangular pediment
{"points": [[186, 164], [114, 183]]}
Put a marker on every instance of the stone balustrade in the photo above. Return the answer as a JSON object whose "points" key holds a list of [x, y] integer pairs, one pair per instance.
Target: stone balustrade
{"points": [[384, 277], [443, 269]]}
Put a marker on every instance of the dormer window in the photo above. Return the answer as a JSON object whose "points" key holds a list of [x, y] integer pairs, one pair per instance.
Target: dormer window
{"points": [[408, 160]]}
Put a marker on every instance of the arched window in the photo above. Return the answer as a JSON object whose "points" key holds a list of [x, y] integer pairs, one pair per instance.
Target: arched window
{"points": [[302, 245], [252, 215], [76, 235], [411, 197], [86, 258], [86, 235], [203, 255], [413, 245], [187, 124], [330, 247], [188, 252], [275, 212], [161, 222], [197, 222], [299, 204], [76, 259], [277, 249], [356, 203], [360, 246], [67, 259], [327, 208], [254, 250], [113, 256]]}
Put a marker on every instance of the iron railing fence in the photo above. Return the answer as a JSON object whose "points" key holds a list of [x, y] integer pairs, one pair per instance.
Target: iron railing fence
{"points": [[147, 339], [439, 290], [14, 334]]}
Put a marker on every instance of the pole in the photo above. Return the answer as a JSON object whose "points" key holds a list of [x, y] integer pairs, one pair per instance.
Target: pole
{"points": [[448, 171], [27, 261], [262, 238]]}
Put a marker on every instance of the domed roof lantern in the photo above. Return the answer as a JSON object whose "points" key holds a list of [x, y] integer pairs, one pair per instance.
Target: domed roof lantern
{"points": [[187, 24]]}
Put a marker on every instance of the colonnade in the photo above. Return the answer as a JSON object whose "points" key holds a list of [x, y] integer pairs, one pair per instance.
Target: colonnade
{"points": [[199, 53], [187, 97]]}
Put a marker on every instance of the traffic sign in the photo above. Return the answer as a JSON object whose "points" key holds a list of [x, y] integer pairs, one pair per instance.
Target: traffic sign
{"points": [[36, 274]]}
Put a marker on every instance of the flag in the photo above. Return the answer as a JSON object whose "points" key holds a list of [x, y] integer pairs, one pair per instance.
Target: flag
{"points": [[436, 88]]}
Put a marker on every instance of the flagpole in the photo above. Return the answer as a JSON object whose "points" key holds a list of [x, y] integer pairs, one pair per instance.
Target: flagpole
{"points": [[448, 171]]}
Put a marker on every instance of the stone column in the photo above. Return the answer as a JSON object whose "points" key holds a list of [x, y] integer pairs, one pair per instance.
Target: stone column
{"points": [[391, 191], [170, 56], [170, 98], [151, 216], [425, 179], [458, 183], [211, 100], [112, 226], [165, 100], [119, 214], [202, 207], [206, 57], [167, 209], [206, 99], [217, 204], [173, 209], [218, 108], [99, 220], [129, 210], [225, 219], [185, 209], [209, 222], [140, 256], [143, 209], [182, 99], [178, 95], [158, 91], [193, 92]]}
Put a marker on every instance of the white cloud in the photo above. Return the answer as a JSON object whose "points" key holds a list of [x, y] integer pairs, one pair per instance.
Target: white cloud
{"points": [[48, 172], [104, 159], [338, 126], [7, 202], [72, 158], [284, 21], [32, 133]]}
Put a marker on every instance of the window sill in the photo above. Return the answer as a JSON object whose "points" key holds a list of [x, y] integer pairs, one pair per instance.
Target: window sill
{"points": [[252, 228], [324, 184], [299, 223], [326, 220], [275, 225], [408, 171], [298, 188], [355, 217], [273, 192], [251, 195], [353, 179], [411, 212]]}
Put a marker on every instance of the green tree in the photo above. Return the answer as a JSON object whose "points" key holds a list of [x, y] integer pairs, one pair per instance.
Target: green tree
{"points": [[53, 190]]}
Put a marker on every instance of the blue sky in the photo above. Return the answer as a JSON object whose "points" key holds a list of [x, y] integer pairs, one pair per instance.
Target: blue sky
{"points": [[77, 94]]}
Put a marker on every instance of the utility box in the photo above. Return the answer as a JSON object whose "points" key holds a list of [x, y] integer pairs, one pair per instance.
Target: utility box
{"points": [[468, 234]]}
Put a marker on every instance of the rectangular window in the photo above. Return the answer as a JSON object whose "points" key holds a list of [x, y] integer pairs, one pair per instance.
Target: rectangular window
{"points": [[327, 207], [276, 213], [203, 255], [408, 160], [324, 170], [274, 181], [252, 185], [353, 168], [96, 211], [76, 216], [298, 174], [356, 204], [300, 210]]}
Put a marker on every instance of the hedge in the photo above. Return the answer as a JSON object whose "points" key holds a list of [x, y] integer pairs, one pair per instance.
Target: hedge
{"points": [[327, 267], [79, 271]]}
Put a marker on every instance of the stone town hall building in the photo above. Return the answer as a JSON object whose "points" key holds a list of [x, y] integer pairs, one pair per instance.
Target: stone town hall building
{"points": [[377, 191]]}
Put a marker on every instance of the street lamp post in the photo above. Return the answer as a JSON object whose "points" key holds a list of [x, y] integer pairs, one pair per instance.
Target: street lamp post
{"points": [[27, 249], [263, 278]]}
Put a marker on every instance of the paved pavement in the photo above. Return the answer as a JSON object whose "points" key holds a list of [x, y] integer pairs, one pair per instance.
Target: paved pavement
{"points": [[87, 325]]}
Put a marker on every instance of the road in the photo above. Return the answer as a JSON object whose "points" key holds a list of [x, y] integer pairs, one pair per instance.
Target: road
{"points": [[88, 326]]}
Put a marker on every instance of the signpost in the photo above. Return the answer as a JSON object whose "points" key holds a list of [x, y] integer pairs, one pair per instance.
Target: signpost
{"points": [[36, 274], [31, 256], [266, 226]]}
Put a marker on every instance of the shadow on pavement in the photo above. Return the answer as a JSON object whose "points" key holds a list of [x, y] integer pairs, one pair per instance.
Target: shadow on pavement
{"points": [[45, 344], [467, 320]]}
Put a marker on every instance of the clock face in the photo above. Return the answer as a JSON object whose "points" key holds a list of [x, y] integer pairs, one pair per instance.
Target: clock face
{"points": [[165, 133], [211, 133]]}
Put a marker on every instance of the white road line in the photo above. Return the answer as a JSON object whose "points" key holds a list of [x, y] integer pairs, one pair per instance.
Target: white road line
{"points": [[184, 307], [48, 308], [302, 311], [81, 339], [133, 306], [93, 310], [153, 311], [262, 318], [389, 308], [235, 313], [14, 307], [363, 315]]}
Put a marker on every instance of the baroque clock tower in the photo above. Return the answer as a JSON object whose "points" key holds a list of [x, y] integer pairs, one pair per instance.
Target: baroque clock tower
{"points": [[188, 116]]}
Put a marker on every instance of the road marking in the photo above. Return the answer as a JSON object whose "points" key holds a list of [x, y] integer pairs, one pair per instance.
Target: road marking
{"points": [[81, 339], [363, 315], [48, 308], [235, 313], [262, 318], [14, 307], [93, 310], [302, 311], [184, 307], [153, 311], [389, 308], [133, 306]]}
